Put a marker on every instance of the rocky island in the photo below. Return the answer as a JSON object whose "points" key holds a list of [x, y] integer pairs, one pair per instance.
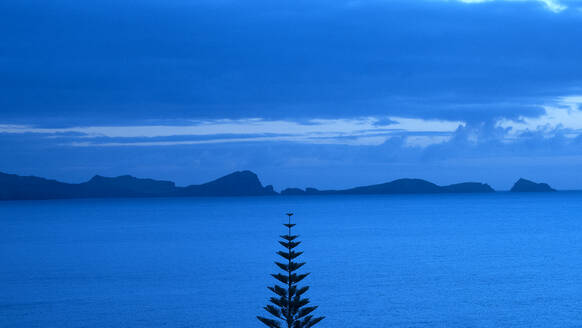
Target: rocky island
{"points": [[523, 185]]}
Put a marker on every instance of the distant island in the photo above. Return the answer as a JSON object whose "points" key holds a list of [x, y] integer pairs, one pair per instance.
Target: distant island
{"points": [[523, 185], [240, 183], [400, 186]]}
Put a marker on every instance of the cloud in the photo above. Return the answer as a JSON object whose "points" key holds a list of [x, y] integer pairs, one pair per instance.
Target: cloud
{"points": [[180, 59], [564, 117], [357, 131], [561, 116], [425, 141], [358, 141], [552, 5]]}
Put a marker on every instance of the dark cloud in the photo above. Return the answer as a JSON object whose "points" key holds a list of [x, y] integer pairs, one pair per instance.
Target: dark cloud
{"points": [[127, 60]]}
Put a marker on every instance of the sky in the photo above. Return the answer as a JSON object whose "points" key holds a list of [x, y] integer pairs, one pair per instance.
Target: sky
{"points": [[321, 93]]}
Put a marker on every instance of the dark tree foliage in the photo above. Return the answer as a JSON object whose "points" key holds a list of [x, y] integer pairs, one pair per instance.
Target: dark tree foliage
{"points": [[288, 306]]}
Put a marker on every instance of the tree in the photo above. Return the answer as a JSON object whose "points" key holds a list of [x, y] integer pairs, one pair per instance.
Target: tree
{"points": [[288, 306]]}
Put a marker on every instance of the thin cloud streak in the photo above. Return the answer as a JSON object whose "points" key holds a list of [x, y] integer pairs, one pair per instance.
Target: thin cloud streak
{"points": [[359, 131], [552, 5], [359, 141]]}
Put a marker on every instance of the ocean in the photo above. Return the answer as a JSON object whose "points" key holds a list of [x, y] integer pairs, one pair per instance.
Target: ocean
{"points": [[451, 260]]}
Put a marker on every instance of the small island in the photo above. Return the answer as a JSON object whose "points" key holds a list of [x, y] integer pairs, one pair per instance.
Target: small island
{"points": [[523, 185]]}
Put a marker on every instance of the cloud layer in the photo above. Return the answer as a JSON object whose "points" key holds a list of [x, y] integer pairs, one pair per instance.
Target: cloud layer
{"points": [[562, 116]]}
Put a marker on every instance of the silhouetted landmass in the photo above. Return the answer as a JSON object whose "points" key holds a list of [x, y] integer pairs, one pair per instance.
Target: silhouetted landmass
{"points": [[240, 183], [15, 187], [468, 187], [523, 185], [400, 186], [125, 186]]}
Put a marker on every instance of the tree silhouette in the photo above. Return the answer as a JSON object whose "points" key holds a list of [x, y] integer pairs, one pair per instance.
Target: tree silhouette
{"points": [[288, 306]]}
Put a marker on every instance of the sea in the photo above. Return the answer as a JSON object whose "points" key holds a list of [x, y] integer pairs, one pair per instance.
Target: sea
{"points": [[451, 260]]}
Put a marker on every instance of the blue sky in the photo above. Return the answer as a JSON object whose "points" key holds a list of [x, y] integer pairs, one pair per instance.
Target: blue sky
{"points": [[305, 93]]}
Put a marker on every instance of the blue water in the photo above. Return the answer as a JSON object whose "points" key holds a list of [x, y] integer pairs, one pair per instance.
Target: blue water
{"points": [[490, 260]]}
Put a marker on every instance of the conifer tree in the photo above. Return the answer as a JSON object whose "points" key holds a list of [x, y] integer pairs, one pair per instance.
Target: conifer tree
{"points": [[288, 306]]}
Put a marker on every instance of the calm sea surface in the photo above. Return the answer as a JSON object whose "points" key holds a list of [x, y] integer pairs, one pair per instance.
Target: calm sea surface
{"points": [[490, 260]]}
